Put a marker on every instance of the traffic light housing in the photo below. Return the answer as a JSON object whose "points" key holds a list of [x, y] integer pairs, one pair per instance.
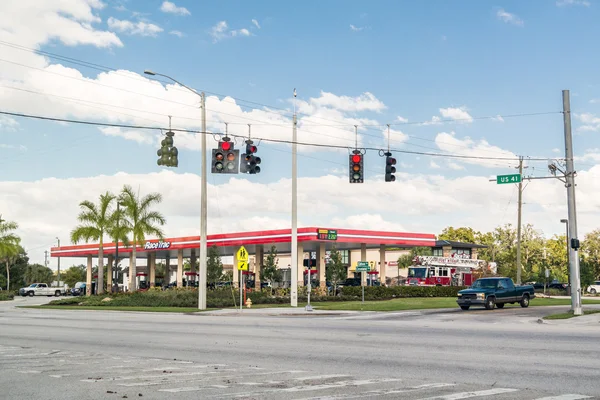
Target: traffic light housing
{"points": [[356, 167], [249, 162], [225, 158], [168, 154], [390, 170]]}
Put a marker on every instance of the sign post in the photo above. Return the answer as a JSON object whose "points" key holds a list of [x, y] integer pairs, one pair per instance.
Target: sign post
{"points": [[512, 178], [546, 283], [242, 257], [363, 266]]}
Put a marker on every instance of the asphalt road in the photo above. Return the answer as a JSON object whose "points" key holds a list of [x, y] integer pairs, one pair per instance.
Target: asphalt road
{"points": [[496, 355]]}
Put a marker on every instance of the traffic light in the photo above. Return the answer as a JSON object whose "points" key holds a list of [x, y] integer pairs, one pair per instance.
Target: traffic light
{"points": [[249, 162], [225, 158], [390, 170], [356, 167], [167, 154]]}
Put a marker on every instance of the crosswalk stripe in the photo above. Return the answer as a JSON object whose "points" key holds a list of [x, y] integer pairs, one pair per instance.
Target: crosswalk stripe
{"points": [[566, 397], [466, 395], [383, 392]]}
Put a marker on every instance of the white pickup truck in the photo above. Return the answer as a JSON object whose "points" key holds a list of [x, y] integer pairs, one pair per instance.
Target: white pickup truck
{"points": [[41, 289]]}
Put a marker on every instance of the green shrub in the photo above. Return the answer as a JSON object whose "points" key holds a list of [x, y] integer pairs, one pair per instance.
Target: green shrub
{"points": [[4, 296], [391, 292]]}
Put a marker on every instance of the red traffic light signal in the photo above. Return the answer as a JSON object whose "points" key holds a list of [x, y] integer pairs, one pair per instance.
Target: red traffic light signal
{"points": [[225, 146], [356, 167]]}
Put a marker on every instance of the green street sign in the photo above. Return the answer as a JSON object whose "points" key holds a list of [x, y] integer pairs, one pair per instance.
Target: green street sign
{"points": [[514, 178], [362, 266]]}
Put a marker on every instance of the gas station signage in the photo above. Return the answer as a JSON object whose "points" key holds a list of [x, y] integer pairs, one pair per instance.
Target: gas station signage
{"points": [[326, 234], [157, 245]]}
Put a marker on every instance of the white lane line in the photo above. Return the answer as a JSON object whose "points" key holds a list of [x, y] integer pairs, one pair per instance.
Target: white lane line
{"points": [[306, 378], [466, 395], [193, 389], [177, 374], [59, 376], [383, 392], [566, 397], [29, 372], [166, 379]]}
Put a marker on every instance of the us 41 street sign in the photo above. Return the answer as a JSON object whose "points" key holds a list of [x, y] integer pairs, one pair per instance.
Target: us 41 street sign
{"points": [[514, 178]]}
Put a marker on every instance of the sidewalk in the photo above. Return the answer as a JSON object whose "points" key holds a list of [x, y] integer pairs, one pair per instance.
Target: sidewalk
{"points": [[282, 311], [591, 319]]}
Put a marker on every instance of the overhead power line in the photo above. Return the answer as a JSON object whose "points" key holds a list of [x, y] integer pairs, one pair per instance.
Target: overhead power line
{"points": [[322, 145]]}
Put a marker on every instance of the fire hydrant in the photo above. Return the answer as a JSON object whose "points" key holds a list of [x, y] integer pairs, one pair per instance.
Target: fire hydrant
{"points": [[249, 303]]}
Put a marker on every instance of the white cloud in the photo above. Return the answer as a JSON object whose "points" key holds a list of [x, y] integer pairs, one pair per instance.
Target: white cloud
{"points": [[137, 135], [33, 22], [365, 102], [561, 3], [590, 155], [255, 22], [589, 122], [435, 120], [8, 123], [448, 142], [171, 8], [556, 150], [455, 166], [177, 33], [509, 18], [356, 28], [396, 136], [134, 28], [456, 114], [401, 119], [13, 147], [120, 8], [434, 165], [221, 31], [368, 221]]}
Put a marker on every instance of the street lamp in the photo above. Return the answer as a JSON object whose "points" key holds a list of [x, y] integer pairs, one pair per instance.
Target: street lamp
{"points": [[58, 275], [203, 196], [566, 222]]}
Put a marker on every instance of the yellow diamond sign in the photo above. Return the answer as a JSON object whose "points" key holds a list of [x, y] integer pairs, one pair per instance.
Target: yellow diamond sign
{"points": [[242, 259]]}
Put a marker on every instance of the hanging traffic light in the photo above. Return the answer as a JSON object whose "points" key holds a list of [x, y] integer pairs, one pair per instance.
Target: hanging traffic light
{"points": [[168, 154], [249, 162], [225, 158], [390, 170], [356, 167]]}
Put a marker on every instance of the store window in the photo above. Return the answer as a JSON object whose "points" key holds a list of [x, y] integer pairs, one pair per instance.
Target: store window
{"points": [[344, 254], [438, 252], [463, 253]]}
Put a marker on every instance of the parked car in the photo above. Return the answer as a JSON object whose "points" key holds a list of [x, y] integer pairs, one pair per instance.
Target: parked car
{"points": [[78, 289], [41, 289], [495, 292], [594, 288]]}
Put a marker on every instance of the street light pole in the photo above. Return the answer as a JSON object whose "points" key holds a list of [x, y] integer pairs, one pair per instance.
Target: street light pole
{"points": [[203, 197], [58, 274], [294, 261], [566, 222]]}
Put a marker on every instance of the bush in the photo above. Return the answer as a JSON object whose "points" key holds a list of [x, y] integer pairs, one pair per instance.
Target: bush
{"points": [[391, 292], [4, 296]]}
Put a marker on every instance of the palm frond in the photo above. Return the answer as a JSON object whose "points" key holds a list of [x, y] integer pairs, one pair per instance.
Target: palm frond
{"points": [[85, 234], [149, 200]]}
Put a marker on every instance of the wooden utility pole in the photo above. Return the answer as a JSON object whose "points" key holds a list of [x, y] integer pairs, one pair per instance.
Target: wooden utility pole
{"points": [[519, 221]]}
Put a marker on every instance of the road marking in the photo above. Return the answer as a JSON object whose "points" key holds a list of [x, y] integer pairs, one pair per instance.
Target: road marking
{"points": [[466, 395], [29, 372], [59, 376], [192, 389], [383, 392], [306, 378], [566, 397]]}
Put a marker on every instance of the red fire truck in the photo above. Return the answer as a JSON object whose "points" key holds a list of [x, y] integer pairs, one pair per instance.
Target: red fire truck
{"points": [[442, 271]]}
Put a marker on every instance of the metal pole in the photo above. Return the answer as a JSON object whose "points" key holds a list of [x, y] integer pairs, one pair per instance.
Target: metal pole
{"points": [[363, 294], [58, 263], [570, 178], [241, 286], [308, 288], [113, 276], [568, 264], [203, 214], [294, 261], [519, 222]]}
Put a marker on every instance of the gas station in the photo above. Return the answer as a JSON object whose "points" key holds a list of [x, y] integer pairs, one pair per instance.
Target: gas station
{"points": [[313, 243]]}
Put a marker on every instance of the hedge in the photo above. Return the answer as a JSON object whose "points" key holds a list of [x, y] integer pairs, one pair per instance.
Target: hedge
{"points": [[4, 296], [391, 292]]}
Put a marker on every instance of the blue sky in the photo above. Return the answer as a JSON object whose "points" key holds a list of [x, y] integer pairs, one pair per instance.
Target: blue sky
{"points": [[398, 62]]}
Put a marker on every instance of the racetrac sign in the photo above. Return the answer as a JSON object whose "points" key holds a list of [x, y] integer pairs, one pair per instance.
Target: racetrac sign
{"points": [[157, 245]]}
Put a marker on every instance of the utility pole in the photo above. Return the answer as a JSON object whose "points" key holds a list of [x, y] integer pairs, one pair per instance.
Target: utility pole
{"points": [[294, 261], [203, 215], [570, 183], [45, 258], [519, 221]]}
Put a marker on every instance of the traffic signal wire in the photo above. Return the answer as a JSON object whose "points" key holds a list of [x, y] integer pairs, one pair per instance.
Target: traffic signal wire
{"points": [[321, 145]]}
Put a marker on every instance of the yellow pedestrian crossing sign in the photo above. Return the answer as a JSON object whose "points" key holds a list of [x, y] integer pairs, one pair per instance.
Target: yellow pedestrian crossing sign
{"points": [[242, 258]]}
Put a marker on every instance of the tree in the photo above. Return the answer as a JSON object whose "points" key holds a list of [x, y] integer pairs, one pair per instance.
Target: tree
{"points": [[214, 266], [462, 234], [140, 221], [590, 249], [335, 270], [37, 273], [404, 261], [9, 245], [269, 271], [420, 251], [74, 274], [227, 276], [95, 222], [117, 231]]}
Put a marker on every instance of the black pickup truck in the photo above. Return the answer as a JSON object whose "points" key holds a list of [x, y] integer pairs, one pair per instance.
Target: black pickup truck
{"points": [[495, 292]]}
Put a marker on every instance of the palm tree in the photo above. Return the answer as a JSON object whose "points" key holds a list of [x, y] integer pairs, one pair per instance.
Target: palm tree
{"points": [[141, 221], [9, 245], [118, 232], [96, 221]]}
